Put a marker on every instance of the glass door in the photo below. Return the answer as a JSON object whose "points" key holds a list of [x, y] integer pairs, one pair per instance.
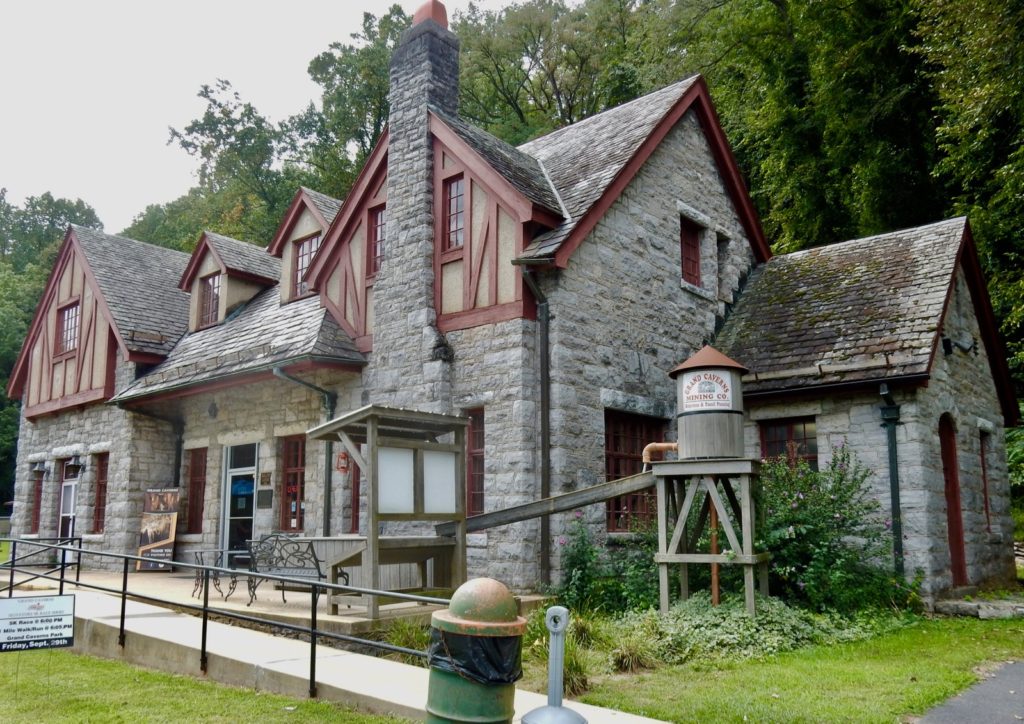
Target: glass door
{"points": [[68, 493], [239, 499]]}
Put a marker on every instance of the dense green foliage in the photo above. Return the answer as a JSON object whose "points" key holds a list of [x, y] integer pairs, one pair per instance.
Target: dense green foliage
{"points": [[830, 549]]}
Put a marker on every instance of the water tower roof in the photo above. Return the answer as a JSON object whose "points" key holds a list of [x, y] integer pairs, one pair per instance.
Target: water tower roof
{"points": [[708, 356]]}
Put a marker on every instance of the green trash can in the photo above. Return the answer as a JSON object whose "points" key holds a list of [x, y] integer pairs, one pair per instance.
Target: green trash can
{"points": [[475, 655]]}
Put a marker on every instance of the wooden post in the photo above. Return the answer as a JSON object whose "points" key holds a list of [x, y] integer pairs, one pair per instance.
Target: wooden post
{"points": [[662, 543]]}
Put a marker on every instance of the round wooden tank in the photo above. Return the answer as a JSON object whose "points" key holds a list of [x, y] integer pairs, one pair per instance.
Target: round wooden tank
{"points": [[710, 405]]}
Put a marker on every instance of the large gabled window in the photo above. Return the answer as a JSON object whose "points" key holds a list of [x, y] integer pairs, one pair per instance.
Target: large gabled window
{"points": [[454, 213], [209, 300], [67, 328], [305, 250]]}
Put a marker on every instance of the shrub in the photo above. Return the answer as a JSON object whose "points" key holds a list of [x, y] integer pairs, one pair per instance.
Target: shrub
{"points": [[580, 567], [634, 651], [575, 680], [409, 635], [830, 549]]}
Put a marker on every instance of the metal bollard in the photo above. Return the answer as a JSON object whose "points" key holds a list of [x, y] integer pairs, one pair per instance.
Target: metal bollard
{"points": [[557, 620], [475, 655]]}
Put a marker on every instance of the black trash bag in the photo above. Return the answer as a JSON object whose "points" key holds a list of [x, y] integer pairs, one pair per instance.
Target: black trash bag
{"points": [[483, 659]]}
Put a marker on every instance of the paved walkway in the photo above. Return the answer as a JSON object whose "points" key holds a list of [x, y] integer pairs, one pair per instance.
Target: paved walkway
{"points": [[159, 638], [997, 699]]}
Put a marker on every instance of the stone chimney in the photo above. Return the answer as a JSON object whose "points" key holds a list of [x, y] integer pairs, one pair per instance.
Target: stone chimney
{"points": [[411, 362]]}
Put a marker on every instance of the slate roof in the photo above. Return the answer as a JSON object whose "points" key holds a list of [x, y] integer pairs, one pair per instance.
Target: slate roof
{"points": [[261, 335], [581, 160], [241, 256], [867, 309], [139, 283], [326, 205], [520, 169]]}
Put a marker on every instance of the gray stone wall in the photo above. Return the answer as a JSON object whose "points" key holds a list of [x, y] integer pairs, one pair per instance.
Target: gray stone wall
{"points": [[622, 316], [961, 385]]}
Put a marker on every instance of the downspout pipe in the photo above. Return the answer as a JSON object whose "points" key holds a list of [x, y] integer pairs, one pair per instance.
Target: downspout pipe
{"points": [[890, 419], [330, 402], [544, 354]]}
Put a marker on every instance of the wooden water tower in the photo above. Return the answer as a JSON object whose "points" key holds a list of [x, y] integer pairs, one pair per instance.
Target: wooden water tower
{"points": [[711, 477]]}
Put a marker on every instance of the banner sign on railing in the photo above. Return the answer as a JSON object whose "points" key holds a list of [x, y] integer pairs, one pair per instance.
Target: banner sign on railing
{"points": [[37, 622]]}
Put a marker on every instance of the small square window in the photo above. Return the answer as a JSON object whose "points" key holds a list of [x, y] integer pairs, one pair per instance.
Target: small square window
{"points": [[794, 439], [689, 243]]}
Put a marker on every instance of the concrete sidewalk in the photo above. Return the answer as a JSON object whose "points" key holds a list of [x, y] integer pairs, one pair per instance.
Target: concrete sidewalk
{"points": [[159, 638], [998, 698]]}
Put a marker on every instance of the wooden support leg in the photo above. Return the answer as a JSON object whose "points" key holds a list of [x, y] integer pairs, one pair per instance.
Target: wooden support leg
{"points": [[748, 588]]}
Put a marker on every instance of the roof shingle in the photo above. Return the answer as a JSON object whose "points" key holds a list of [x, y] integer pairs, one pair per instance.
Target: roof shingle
{"points": [[241, 256]]}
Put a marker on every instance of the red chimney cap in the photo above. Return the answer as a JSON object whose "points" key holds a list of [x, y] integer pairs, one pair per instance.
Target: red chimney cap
{"points": [[708, 356], [431, 10]]}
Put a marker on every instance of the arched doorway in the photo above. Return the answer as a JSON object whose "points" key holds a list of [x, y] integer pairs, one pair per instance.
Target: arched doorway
{"points": [[954, 518]]}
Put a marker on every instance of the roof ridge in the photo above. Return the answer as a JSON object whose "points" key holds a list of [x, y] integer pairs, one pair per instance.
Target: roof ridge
{"points": [[872, 238]]}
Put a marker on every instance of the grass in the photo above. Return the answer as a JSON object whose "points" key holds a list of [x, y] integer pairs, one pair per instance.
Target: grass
{"points": [[59, 686], [878, 680]]}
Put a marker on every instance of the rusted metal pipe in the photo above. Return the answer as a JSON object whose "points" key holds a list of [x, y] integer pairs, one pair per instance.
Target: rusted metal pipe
{"points": [[654, 447]]}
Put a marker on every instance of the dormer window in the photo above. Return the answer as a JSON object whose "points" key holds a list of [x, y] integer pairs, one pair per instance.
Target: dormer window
{"points": [[689, 243], [305, 250], [454, 214], [209, 300], [377, 238], [67, 328]]}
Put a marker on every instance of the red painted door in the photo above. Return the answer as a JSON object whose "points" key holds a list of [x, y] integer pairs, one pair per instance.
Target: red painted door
{"points": [[954, 519]]}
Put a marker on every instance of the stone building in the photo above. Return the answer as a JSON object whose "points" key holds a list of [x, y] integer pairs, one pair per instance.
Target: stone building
{"points": [[545, 291]]}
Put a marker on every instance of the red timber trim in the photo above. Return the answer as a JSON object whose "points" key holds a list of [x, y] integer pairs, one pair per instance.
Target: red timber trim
{"points": [[196, 261], [146, 358], [352, 211], [63, 403], [482, 315], [224, 383], [70, 253], [522, 209], [478, 244], [698, 99], [300, 202], [967, 258]]}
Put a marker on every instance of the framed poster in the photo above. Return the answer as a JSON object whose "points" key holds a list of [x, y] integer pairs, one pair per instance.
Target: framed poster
{"points": [[159, 520]]}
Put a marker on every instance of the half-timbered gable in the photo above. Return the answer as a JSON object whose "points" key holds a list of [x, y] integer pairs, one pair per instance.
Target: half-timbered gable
{"points": [[91, 310], [355, 250]]}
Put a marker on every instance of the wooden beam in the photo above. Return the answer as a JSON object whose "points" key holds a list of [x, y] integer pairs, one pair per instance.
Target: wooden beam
{"points": [[555, 504]]}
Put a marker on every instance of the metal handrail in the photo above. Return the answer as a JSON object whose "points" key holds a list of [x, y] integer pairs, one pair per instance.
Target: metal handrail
{"points": [[205, 609]]}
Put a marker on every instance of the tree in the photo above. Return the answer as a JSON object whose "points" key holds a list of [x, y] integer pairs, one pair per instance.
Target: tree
{"points": [[30, 233]]}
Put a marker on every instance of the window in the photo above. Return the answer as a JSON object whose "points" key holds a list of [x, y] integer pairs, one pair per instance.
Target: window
{"points": [[378, 236], [625, 436], [794, 439], [985, 445], [475, 462], [292, 505], [67, 328], [99, 511], [305, 250], [37, 499], [209, 300], [68, 494], [196, 489], [689, 243], [454, 216]]}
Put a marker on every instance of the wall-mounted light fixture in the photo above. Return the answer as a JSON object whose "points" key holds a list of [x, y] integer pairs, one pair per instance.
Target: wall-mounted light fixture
{"points": [[949, 344], [74, 465], [39, 467]]}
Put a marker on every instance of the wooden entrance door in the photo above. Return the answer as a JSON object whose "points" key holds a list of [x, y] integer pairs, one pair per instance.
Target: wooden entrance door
{"points": [[954, 517]]}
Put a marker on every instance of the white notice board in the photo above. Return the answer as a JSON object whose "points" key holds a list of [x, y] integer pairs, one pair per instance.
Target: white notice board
{"points": [[37, 622]]}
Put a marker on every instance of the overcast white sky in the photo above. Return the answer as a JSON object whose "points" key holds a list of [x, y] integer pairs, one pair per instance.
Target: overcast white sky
{"points": [[88, 88]]}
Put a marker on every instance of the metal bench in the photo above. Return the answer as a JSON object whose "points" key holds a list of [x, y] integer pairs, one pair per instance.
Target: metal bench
{"points": [[281, 555]]}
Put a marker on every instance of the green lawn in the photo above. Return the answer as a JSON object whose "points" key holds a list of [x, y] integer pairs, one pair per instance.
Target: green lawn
{"points": [[59, 686], [879, 680]]}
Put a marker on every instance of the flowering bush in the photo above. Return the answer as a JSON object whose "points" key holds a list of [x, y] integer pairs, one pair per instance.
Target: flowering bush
{"points": [[830, 547]]}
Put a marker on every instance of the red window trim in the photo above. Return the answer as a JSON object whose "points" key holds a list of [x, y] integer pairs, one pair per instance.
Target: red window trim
{"points": [[196, 489], [376, 239], [454, 222], [625, 436], [209, 300], [37, 501], [60, 350], [689, 246], [985, 442], [791, 440], [299, 247], [476, 435], [99, 511], [293, 473]]}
